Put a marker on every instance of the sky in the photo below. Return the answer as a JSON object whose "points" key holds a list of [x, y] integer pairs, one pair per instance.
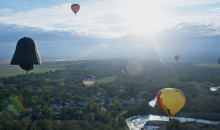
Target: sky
{"points": [[151, 29]]}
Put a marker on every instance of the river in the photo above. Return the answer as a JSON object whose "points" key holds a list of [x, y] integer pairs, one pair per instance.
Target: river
{"points": [[214, 88], [138, 122]]}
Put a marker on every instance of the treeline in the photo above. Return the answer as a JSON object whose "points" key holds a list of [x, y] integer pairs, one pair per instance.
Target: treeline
{"points": [[26, 124], [177, 125]]}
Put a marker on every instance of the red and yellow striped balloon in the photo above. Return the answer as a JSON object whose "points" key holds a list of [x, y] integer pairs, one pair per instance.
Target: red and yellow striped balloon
{"points": [[171, 100]]}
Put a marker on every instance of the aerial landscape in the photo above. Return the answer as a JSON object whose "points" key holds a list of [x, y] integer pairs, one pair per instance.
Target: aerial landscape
{"points": [[110, 65]]}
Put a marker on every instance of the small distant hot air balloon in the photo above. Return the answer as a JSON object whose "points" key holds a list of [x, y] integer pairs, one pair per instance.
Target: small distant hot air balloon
{"points": [[26, 54], [88, 80], [219, 60], [75, 8], [177, 57], [171, 100]]}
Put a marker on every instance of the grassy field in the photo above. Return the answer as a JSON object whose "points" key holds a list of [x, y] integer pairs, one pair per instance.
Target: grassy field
{"points": [[215, 65], [13, 70], [107, 79]]}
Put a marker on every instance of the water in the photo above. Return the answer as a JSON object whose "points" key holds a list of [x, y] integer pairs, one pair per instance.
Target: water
{"points": [[137, 122], [214, 88]]}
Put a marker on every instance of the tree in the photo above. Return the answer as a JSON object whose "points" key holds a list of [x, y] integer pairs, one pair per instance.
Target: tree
{"points": [[47, 112], [94, 106], [46, 124], [102, 116], [145, 95], [173, 124], [21, 124], [121, 121], [35, 114], [141, 108], [4, 122], [66, 113], [51, 100], [117, 105]]}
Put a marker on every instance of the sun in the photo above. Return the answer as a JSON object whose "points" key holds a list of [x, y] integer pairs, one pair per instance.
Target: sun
{"points": [[144, 17]]}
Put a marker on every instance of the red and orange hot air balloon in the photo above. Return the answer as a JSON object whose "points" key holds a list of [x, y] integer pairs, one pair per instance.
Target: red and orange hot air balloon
{"points": [[219, 60], [176, 57], [75, 8]]}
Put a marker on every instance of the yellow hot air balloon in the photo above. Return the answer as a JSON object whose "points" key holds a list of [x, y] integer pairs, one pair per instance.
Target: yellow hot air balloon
{"points": [[171, 100]]}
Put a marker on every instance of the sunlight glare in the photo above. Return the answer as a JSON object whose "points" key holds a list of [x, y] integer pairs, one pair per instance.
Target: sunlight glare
{"points": [[143, 17]]}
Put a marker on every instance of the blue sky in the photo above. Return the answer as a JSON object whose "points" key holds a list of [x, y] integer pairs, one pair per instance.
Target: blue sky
{"points": [[112, 29]]}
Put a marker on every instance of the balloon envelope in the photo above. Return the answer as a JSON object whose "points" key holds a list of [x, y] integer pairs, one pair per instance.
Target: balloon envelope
{"points": [[177, 57], [75, 8], [88, 80], [26, 54], [171, 100]]}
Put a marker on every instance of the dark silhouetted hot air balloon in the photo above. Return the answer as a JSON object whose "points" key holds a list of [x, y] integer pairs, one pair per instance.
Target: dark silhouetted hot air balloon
{"points": [[75, 8], [88, 80], [177, 57], [26, 54], [171, 100], [219, 60]]}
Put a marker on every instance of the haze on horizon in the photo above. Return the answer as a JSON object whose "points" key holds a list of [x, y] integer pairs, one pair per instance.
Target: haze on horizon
{"points": [[113, 29]]}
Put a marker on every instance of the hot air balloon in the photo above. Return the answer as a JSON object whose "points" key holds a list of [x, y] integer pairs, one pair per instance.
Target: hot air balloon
{"points": [[26, 54], [177, 57], [171, 100], [75, 8], [88, 80], [219, 60]]}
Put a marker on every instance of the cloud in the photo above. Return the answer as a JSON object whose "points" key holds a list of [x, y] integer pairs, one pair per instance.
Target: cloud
{"points": [[207, 25], [88, 21], [183, 40], [216, 10], [186, 2], [65, 44], [114, 19]]}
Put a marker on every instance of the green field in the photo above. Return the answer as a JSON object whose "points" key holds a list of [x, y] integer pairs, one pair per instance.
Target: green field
{"points": [[13, 70], [107, 79], [207, 65]]}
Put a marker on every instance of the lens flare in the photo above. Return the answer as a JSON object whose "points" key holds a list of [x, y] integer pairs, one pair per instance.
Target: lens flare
{"points": [[13, 107], [134, 68]]}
